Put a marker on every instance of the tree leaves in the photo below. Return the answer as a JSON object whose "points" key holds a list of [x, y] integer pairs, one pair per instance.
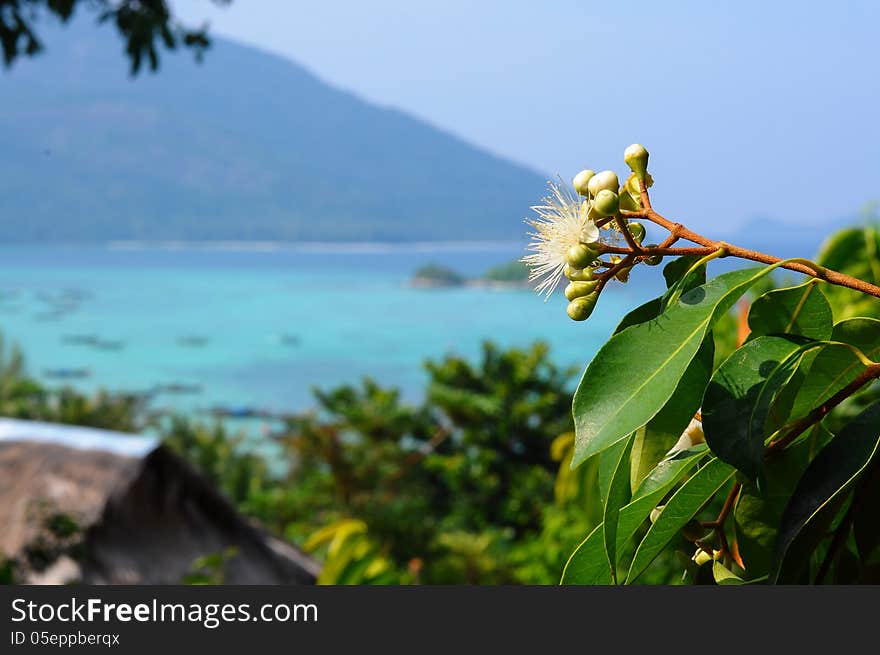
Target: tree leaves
{"points": [[637, 371], [653, 441], [837, 365], [824, 485], [618, 495], [800, 310], [681, 508], [737, 400], [588, 563]]}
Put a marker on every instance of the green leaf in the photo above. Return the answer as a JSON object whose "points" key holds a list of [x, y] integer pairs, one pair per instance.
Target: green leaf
{"points": [[737, 401], [866, 527], [824, 485], [618, 495], [724, 576], [855, 252], [654, 440], [757, 514], [636, 372], [836, 366], [588, 564], [673, 272], [681, 508], [800, 310]]}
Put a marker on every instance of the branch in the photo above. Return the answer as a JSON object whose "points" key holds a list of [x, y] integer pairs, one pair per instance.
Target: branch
{"points": [[870, 373], [679, 231]]}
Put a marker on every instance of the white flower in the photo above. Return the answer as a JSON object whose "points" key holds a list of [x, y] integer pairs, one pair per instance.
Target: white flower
{"points": [[562, 222]]}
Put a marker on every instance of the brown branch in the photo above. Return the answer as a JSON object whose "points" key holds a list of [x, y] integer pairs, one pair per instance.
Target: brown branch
{"points": [[680, 231], [634, 247], [614, 270], [870, 373]]}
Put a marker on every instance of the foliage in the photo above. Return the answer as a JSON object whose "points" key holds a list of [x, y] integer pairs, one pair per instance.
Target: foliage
{"points": [[436, 274], [24, 398], [513, 271], [144, 25], [459, 488], [790, 413]]}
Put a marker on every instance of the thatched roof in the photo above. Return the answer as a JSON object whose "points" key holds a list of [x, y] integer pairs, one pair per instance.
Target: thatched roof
{"points": [[106, 517]]}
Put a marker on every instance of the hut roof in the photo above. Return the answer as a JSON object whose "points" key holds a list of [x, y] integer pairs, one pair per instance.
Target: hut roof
{"points": [[140, 514]]}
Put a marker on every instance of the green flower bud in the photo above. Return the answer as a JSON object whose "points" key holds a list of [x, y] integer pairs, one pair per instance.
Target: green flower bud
{"points": [[655, 513], [579, 289], [636, 157], [580, 309], [628, 200], [702, 557], [637, 230], [606, 203], [580, 256], [581, 180], [623, 274], [653, 260], [604, 180], [577, 274]]}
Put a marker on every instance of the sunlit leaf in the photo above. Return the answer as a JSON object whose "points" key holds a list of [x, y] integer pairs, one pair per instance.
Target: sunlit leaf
{"points": [[800, 310], [636, 372], [681, 508]]}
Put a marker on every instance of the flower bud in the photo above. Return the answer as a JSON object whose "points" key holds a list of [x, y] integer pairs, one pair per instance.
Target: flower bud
{"points": [[577, 274], [578, 289], [628, 200], [702, 557], [604, 180], [606, 203], [581, 180], [655, 513], [580, 309], [637, 230], [694, 431], [580, 256], [636, 157], [653, 260]]}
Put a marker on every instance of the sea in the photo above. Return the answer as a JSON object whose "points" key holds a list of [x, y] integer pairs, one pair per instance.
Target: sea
{"points": [[244, 328]]}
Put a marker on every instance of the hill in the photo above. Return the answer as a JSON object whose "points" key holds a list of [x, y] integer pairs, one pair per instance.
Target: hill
{"points": [[245, 146]]}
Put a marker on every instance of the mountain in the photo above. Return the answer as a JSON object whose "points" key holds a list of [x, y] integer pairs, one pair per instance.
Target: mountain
{"points": [[244, 146]]}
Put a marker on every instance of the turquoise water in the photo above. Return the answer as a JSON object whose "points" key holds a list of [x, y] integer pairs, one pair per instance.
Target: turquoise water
{"points": [[261, 325]]}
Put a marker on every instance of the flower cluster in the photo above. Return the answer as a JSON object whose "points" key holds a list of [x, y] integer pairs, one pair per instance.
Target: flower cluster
{"points": [[572, 230]]}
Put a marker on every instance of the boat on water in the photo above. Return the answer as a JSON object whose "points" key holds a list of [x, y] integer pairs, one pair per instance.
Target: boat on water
{"points": [[192, 341], [109, 344], [177, 388], [67, 373], [80, 339]]}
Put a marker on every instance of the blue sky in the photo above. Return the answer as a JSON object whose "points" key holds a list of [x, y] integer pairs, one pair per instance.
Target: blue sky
{"points": [[749, 109]]}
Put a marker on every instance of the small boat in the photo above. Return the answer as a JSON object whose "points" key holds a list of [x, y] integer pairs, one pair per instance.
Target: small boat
{"points": [[289, 339], [80, 339], [177, 387], [192, 341], [67, 373], [109, 344]]}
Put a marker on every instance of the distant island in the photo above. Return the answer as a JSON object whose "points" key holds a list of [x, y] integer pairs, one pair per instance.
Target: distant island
{"points": [[511, 275]]}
